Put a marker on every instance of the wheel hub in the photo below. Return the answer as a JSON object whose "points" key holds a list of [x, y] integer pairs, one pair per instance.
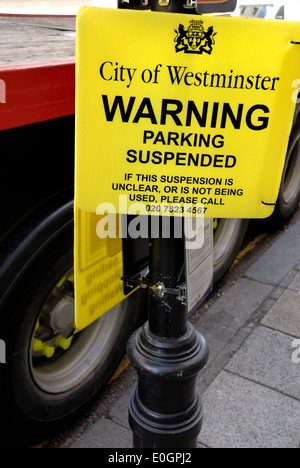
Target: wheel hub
{"points": [[62, 315]]}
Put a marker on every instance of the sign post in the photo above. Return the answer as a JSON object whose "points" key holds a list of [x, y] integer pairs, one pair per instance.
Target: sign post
{"points": [[178, 117], [165, 410]]}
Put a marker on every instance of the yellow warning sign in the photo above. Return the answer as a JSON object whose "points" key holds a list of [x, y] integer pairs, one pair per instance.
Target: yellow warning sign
{"points": [[183, 114], [98, 270]]}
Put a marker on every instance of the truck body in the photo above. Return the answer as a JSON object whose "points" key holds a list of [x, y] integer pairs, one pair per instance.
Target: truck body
{"points": [[37, 71]]}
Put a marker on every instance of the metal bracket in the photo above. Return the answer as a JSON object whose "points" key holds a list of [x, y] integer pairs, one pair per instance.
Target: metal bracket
{"points": [[160, 290], [134, 4], [190, 4], [175, 6], [139, 280]]}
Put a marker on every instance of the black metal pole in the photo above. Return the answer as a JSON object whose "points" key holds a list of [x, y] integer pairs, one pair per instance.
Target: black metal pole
{"points": [[165, 410]]}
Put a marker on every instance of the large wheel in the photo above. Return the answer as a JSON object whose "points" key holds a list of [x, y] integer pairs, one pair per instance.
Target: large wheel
{"points": [[52, 371], [289, 194], [228, 238]]}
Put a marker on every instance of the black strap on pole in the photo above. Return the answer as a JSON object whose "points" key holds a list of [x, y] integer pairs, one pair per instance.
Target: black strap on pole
{"points": [[165, 410], [134, 4], [167, 6]]}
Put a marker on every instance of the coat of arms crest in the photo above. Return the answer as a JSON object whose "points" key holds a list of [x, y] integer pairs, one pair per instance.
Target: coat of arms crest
{"points": [[194, 39]]}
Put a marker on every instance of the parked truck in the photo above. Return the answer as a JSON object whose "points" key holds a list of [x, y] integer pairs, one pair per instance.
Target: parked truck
{"points": [[51, 369]]}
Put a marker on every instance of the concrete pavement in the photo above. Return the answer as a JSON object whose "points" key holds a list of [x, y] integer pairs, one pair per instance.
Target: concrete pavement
{"points": [[251, 384]]}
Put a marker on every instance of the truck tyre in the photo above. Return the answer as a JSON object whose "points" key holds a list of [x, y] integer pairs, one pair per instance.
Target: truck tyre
{"points": [[44, 385], [229, 235], [289, 193]]}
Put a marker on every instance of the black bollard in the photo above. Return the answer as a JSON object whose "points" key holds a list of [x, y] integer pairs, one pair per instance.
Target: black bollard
{"points": [[165, 410]]}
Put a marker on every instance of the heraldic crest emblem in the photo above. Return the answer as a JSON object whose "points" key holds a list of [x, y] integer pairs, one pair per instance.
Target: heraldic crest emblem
{"points": [[195, 39]]}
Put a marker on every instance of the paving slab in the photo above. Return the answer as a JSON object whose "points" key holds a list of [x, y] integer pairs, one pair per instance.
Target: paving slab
{"points": [[285, 314], [119, 411], [104, 433], [240, 413], [225, 322], [279, 259], [295, 285], [266, 358], [225, 318]]}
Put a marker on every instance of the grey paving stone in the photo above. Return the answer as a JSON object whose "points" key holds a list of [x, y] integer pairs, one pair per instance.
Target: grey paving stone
{"points": [[239, 413], [119, 411], [295, 285], [288, 279], [279, 259], [285, 314], [266, 358], [222, 321], [104, 434]]}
